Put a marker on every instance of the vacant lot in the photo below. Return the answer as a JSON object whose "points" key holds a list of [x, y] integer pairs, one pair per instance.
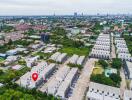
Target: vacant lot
{"points": [[79, 51]]}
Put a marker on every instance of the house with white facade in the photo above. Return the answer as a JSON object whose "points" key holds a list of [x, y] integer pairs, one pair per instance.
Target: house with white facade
{"points": [[127, 95], [53, 85], [98, 91], [101, 48], [30, 61], [73, 59], [62, 57], [128, 69], [80, 60], [55, 56], [65, 85], [42, 69]]}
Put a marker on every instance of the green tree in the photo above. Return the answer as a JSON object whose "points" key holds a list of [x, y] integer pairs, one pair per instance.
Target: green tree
{"points": [[102, 79], [103, 63], [1, 72], [116, 63], [116, 78], [10, 42]]}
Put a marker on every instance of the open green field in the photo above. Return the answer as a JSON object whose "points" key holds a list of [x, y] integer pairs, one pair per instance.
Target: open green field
{"points": [[43, 55], [79, 51], [1, 60], [11, 74]]}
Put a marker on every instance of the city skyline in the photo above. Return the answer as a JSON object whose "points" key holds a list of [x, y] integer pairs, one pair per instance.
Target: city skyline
{"points": [[64, 7]]}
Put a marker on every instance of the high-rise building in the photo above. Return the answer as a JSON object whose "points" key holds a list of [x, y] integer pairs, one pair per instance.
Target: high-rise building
{"points": [[75, 14], [44, 37]]}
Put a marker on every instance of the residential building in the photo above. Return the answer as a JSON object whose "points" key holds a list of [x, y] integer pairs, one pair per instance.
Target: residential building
{"points": [[53, 85], [55, 56], [98, 91], [73, 59], [42, 69], [131, 85], [62, 57], [128, 69], [127, 95], [80, 60], [30, 61], [66, 84]]}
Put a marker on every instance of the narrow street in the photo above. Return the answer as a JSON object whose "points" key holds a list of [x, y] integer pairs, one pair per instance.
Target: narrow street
{"points": [[123, 82], [113, 52]]}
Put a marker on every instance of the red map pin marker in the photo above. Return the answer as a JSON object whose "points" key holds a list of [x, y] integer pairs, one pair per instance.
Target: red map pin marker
{"points": [[34, 76]]}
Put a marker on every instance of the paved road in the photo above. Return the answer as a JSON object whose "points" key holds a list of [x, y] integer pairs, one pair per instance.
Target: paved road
{"points": [[113, 53], [123, 82], [83, 81]]}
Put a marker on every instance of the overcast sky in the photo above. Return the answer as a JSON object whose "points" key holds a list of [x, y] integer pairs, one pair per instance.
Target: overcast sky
{"points": [[64, 7]]}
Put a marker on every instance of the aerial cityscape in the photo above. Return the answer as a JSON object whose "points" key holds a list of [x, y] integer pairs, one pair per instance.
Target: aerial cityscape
{"points": [[65, 50]]}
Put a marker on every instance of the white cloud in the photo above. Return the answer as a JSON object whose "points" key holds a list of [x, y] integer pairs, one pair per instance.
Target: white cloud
{"points": [[42, 7]]}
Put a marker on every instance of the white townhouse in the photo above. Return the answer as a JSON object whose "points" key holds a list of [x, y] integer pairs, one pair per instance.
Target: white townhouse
{"points": [[66, 84], [30, 61], [80, 60], [125, 56], [74, 59], [61, 58], [101, 48], [131, 85], [54, 84], [128, 69], [127, 95], [100, 54], [55, 56], [43, 70], [98, 91]]}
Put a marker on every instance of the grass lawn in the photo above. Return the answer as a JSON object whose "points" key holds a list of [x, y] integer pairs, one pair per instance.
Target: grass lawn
{"points": [[11, 74], [43, 55], [79, 51], [97, 64], [98, 70], [1, 60]]}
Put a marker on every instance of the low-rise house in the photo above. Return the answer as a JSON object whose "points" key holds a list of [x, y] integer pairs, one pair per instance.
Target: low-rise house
{"points": [[122, 50], [30, 61], [11, 59], [66, 84], [17, 67], [2, 55], [100, 54], [50, 49], [1, 85], [127, 95], [12, 52], [36, 46], [73, 59], [62, 57], [101, 48], [128, 69], [55, 56], [47, 72], [131, 85], [125, 56], [42, 69], [15, 51], [80, 60], [53, 85], [98, 91]]}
